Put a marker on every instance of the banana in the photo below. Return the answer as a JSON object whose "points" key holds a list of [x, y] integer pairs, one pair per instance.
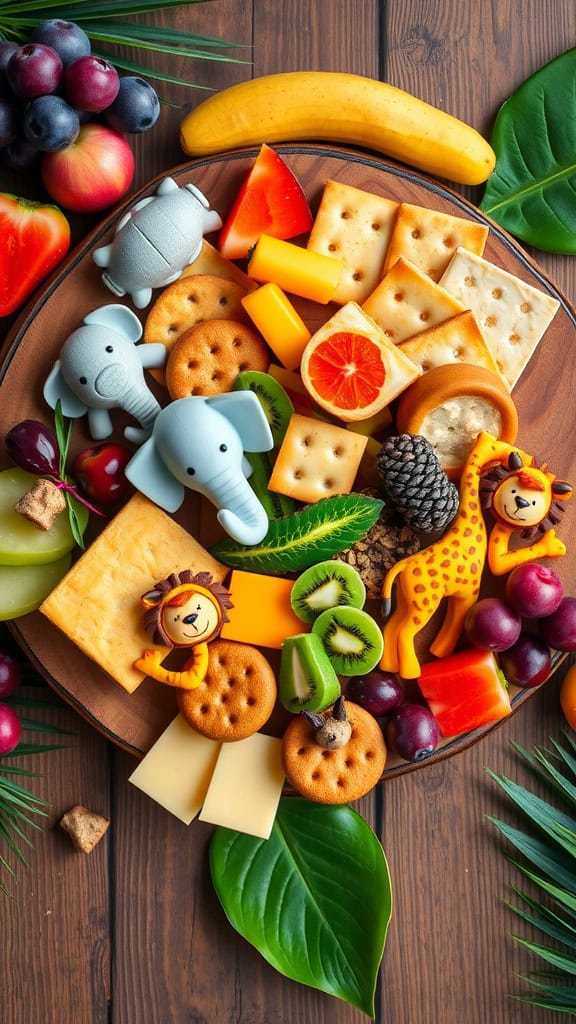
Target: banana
{"points": [[331, 106]]}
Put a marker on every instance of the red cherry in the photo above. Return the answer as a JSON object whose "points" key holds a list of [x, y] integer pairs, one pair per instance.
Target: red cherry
{"points": [[10, 729], [100, 472]]}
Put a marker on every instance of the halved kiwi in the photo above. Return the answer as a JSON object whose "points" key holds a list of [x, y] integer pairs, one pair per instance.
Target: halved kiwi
{"points": [[272, 397], [307, 680], [351, 638], [324, 586]]}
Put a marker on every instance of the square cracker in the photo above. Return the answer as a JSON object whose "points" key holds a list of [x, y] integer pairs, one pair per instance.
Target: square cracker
{"points": [[429, 238], [97, 603], [316, 460], [511, 314], [407, 301], [457, 340], [355, 226]]}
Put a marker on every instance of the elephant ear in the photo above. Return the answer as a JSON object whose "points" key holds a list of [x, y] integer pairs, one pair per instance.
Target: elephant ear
{"points": [[56, 388], [147, 471], [116, 317], [244, 412]]}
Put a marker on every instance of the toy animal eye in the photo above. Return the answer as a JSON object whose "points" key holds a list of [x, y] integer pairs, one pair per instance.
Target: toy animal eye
{"points": [[83, 380], [223, 447], [109, 348], [190, 470]]}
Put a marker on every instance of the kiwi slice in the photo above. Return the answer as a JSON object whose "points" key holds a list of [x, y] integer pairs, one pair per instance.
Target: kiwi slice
{"points": [[307, 680], [326, 585], [351, 638], [272, 397]]}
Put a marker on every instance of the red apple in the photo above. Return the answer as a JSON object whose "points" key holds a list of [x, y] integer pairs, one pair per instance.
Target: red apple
{"points": [[100, 472], [91, 174]]}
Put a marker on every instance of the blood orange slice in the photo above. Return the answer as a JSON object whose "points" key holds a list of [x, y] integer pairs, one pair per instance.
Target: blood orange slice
{"points": [[350, 369]]}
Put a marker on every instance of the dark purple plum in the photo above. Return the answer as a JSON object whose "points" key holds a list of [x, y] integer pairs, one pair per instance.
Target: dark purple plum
{"points": [[492, 624], [558, 630], [50, 123], [412, 732], [533, 590], [10, 675], [9, 121], [34, 70], [527, 663], [66, 37], [33, 447], [91, 83], [378, 692], [6, 51], [136, 107]]}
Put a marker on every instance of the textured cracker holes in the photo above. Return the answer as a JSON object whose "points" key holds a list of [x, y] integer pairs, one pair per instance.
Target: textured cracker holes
{"points": [[204, 709], [345, 215], [496, 293], [424, 366], [298, 474], [236, 343], [457, 353], [192, 364], [389, 334], [448, 242], [326, 754], [490, 321], [232, 719], [191, 298], [424, 315], [525, 307], [332, 247], [243, 366], [231, 682], [214, 350], [216, 376], [196, 391], [348, 763], [248, 671], [357, 275], [301, 751], [224, 698], [328, 484], [315, 776], [398, 296], [251, 701], [514, 338], [173, 329], [416, 233], [340, 782], [338, 451], [376, 226], [470, 281], [222, 301], [369, 755], [305, 441]]}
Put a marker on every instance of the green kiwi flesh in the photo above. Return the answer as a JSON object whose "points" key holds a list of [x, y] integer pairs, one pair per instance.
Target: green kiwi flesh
{"points": [[351, 638], [326, 585], [307, 680], [272, 397]]}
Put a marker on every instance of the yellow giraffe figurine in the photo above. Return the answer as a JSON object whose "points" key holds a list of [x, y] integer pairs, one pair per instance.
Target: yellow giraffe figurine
{"points": [[452, 566]]}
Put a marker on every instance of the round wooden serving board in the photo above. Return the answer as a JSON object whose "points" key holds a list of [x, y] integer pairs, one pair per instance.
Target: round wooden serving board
{"points": [[544, 397]]}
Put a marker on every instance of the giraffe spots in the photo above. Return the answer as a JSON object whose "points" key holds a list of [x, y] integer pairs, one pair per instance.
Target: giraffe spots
{"points": [[472, 549], [434, 584], [420, 588], [432, 572], [473, 519], [416, 571], [474, 568], [460, 569], [473, 505], [467, 532], [445, 551], [416, 620], [444, 564]]}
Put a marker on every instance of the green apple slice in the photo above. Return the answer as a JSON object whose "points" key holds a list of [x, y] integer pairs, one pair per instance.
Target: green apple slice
{"points": [[22, 543], [24, 587]]}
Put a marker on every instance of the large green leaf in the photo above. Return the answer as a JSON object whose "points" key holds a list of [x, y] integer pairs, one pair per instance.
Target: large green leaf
{"points": [[532, 190], [312, 534], [314, 899]]}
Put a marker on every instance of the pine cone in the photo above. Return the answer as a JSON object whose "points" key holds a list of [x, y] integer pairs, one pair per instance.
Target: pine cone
{"points": [[416, 484]]}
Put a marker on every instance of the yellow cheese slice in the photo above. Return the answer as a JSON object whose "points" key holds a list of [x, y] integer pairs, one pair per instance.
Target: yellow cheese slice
{"points": [[97, 604], [176, 771], [261, 612], [246, 786]]}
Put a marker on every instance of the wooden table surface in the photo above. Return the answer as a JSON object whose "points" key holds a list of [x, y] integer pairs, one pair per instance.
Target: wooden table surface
{"points": [[133, 933]]}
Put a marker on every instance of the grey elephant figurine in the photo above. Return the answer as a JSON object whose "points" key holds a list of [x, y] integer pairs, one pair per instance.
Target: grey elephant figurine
{"points": [[199, 443], [156, 240], [101, 368]]}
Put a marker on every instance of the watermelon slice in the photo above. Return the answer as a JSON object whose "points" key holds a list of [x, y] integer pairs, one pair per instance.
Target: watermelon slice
{"points": [[270, 202]]}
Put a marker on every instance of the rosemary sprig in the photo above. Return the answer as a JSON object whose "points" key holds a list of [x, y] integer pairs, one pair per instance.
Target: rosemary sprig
{"points": [[547, 858], [76, 511]]}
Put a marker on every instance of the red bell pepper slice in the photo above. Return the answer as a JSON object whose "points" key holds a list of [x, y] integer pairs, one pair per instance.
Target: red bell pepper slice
{"points": [[34, 237], [270, 202], [464, 691]]}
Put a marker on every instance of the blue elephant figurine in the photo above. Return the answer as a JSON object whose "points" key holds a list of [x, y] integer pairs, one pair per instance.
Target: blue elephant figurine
{"points": [[156, 240], [199, 443], [100, 368]]}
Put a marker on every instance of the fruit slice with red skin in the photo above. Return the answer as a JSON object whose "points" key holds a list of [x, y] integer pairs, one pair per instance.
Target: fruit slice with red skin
{"points": [[34, 237], [464, 691], [270, 202]]}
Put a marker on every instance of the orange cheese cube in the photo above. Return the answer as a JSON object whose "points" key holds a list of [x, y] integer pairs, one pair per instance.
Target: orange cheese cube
{"points": [[261, 614], [280, 325], [311, 275]]}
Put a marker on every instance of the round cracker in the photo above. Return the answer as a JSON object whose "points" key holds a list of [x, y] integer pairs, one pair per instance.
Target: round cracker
{"points": [[237, 695], [334, 776], [191, 300], [207, 359]]}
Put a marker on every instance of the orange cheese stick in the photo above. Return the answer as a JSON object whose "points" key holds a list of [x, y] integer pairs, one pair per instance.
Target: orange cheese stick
{"points": [[311, 275], [280, 325]]}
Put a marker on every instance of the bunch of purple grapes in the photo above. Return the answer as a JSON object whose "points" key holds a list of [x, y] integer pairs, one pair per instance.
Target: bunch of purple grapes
{"points": [[53, 84], [410, 729]]}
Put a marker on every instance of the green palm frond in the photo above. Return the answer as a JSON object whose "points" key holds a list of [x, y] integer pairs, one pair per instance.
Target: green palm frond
{"points": [[102, 22], [547, 850]]}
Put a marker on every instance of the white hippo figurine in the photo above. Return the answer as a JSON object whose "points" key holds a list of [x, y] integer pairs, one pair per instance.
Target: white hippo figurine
{"points": [[156, 240]]}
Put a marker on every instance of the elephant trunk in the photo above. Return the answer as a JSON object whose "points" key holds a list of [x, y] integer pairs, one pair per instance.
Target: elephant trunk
{"points": [[240, 512]]}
